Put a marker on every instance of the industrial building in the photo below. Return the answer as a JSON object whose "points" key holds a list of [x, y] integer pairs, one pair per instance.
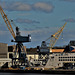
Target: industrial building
{"points": [[4, 59], [3, 50]]}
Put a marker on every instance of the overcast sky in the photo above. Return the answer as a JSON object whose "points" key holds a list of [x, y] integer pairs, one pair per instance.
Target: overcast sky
{"points": [[40, 19]]}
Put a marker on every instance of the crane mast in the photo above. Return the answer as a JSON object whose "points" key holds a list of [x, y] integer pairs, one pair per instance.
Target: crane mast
{"points": [[7, 22]]}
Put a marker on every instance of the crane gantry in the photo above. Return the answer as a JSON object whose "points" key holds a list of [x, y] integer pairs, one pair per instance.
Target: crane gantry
{"points": [[22, 58]]}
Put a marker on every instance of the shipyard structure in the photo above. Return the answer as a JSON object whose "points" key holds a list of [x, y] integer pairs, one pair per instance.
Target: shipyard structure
{"points": [[58, 58], [7, 53], [43, 58]]}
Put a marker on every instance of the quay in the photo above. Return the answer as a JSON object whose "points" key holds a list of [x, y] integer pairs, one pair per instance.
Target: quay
{"points": [[57, 71]]}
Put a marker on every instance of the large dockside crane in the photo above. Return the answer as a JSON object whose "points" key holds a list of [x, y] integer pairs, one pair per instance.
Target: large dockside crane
{"points": [[44, 51], [20, 57], [55, 37]]}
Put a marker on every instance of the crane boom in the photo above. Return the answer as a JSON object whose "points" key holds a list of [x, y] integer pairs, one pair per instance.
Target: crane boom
{"points": [[7, 22], [55, 37]]}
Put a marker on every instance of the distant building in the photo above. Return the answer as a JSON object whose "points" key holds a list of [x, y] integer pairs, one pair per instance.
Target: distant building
{"points": [[3, 50], [4, 59]]}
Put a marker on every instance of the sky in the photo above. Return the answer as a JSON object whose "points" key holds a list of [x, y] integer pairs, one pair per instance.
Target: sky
{"points": [[40, 19]]}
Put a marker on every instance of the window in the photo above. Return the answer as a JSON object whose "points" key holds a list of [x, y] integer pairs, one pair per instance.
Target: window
{"points": [[59, 59], [10, 55]]}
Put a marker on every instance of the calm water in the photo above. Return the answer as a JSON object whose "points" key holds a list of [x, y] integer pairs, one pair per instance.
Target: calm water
{"points": [[29, 74]]}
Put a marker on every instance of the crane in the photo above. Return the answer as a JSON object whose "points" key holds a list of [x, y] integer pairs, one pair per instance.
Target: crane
{"points": [[55, 37], [19, 40], [44, 51]]}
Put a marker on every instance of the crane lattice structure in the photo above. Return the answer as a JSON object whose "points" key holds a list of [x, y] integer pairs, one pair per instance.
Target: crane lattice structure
{"points": [[55, 36], [7, 22]]}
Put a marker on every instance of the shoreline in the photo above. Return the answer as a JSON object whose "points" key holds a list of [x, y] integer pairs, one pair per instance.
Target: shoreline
{"points": [[39, 71]]}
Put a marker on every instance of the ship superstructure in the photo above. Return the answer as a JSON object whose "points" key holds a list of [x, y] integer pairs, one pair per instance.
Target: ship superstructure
{"points": [[61, 60]]}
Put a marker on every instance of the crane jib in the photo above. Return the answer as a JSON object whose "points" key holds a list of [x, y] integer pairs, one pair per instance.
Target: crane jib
{"points": [[7, 22]]}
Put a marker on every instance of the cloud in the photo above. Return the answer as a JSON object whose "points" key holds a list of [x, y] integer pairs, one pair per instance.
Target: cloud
{"points": [[42, 6], [26, 21], [18, 6], [24, 14], [69, 20], [41, 31], [69, 0]]}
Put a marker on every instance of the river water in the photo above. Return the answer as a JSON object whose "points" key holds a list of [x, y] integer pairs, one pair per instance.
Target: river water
{"points": [[29, 74]]}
